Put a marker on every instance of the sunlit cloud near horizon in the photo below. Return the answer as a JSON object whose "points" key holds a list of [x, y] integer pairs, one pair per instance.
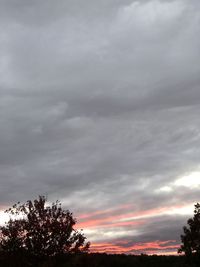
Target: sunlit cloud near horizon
{"points": [[99, 108]]}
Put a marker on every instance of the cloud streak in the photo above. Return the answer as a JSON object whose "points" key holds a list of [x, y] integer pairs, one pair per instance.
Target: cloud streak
{"points": [[149, 247], [99, 105]]}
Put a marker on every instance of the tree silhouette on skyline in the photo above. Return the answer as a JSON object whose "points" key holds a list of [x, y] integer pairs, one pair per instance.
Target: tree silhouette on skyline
{"points": [[41, 230], [191, 237]]}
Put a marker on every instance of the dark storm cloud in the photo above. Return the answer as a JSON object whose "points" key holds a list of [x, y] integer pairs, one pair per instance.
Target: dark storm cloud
{"points": [[99, 103]]}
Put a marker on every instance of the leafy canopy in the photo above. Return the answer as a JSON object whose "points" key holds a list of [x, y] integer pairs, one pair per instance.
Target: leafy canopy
{"points": [[41, 230], [191, 237]]}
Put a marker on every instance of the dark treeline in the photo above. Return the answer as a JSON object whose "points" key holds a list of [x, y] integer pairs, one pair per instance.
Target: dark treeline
{"points": [[38, 235], [93, 260]]}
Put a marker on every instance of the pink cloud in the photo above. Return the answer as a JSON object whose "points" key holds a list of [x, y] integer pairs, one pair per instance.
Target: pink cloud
{"points": [[121, 217], [147, 247]]}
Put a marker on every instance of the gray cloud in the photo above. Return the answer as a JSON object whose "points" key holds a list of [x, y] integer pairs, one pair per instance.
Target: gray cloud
{"points": [[99, 103]]}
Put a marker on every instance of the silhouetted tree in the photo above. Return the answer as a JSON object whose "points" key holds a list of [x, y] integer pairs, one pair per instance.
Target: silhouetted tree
{"points": [[191, 237], [41, 230]]}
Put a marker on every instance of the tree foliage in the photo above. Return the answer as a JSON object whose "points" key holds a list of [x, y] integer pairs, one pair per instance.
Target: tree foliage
{"points": [[41, 230], [191, 237]]}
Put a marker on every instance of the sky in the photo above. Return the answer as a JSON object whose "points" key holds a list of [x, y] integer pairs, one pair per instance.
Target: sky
{"points": [[99, 108]]}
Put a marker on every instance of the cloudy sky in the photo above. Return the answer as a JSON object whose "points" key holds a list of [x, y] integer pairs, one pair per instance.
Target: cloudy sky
{"points": [[99, 108]]}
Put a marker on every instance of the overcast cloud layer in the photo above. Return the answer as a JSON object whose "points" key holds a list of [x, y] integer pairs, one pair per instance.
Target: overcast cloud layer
{"points": [[99, 108]]}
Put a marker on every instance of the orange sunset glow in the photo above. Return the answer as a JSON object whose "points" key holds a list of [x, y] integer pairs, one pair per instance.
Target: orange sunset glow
{"points": [[149, 247], [122, 223]]}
